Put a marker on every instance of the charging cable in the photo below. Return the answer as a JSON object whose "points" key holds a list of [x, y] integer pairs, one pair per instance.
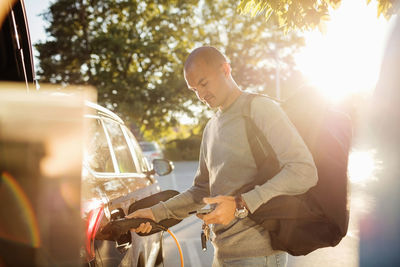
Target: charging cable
{"points": [[178, 245], [155, 225], [117, 227]]}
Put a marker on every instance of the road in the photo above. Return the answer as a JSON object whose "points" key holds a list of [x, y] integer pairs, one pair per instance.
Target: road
{"points": [[188, 231]]}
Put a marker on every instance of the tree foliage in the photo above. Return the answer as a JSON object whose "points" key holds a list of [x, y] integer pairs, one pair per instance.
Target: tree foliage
{"points": [[303, 14], [254, 48], [133, 51]]}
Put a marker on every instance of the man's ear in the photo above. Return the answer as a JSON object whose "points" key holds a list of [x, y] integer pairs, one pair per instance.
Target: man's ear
{"points": [[226, 69]]}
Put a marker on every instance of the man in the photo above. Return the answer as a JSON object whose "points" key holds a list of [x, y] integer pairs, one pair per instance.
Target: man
{"points": [[226, 164]]}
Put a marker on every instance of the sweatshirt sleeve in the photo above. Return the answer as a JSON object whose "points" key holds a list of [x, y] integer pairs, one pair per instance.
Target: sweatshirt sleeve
{"points": [[179, 206], [298, 172]]}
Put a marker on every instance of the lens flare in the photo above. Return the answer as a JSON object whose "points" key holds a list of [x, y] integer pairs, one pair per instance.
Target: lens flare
{"points": [[24, 206]]}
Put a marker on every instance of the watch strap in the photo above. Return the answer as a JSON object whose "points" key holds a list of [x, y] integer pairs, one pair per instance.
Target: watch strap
{"points": [[240, 204]]}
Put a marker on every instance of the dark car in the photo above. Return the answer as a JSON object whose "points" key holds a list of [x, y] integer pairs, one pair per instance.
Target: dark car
{"points": [[16, 60], [115, 174]]}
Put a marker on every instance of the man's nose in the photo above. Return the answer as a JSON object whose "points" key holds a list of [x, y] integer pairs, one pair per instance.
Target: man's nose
{"points": [[201, 94]]}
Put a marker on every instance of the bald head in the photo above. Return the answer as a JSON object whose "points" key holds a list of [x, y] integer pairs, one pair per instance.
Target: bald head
{"points": [[208, 54], [208, 74]]}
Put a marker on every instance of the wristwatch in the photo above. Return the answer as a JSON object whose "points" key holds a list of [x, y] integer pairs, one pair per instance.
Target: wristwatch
{"points": [[241, 210]]}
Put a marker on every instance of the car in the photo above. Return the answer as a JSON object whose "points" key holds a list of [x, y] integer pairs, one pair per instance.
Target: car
{"points": [[16, 60], [151, 150], [115, 174]]}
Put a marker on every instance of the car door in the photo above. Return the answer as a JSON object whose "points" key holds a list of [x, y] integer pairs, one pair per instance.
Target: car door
{"points": [[114, 177], [115, 168]]}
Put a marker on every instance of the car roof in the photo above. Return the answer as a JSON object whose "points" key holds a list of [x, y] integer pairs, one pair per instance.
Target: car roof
{"points": [[104, 111]]}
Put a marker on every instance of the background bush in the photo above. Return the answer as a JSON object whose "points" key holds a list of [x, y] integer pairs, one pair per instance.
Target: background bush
{"points": [[183, 149]]}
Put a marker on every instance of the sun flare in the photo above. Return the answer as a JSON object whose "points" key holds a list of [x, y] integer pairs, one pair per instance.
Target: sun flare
{"points": [[347, 58], [362, 166]]}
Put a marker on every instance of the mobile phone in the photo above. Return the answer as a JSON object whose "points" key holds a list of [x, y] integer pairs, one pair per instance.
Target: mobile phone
{"points": [[202, 211]]}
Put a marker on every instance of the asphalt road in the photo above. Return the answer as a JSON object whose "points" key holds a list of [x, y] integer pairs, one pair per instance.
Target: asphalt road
{"points": [[188, 231]]}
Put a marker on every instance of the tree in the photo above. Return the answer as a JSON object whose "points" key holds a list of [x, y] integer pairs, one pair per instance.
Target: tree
{"points": [[302, 14], [133, 52], [254, 48]]}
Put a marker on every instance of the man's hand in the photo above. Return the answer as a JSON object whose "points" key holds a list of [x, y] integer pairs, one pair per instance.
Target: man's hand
{"points": [[224, 212], [144, 228]]}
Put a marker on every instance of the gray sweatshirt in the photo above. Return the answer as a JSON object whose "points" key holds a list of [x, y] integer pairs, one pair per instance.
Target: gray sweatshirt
{"points": [[226, 164]]}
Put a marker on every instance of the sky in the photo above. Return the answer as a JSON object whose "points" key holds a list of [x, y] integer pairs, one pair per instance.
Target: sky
{"points": [[36, 23], [345, 59]]}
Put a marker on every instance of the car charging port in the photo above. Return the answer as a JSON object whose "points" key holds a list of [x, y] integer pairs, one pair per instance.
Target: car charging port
{"points": [[117, 214], [125, 240]]}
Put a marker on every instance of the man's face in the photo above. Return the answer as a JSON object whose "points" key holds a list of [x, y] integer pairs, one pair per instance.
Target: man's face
{"points": [[209, 83]]}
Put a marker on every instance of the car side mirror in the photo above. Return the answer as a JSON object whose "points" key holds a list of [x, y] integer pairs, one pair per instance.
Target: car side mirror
{"points": [[162, 166]]}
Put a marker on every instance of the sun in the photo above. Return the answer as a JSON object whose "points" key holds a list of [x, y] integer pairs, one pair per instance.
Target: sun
{"points": [[346, 59], [362, 166]]}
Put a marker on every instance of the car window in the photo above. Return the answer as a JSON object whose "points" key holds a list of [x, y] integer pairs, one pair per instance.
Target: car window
{"points": [[138, 151], [120, 147], [97, 153]]}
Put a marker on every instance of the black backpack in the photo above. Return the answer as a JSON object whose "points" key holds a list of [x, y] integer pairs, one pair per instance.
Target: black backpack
{"points": [[318, 218]]}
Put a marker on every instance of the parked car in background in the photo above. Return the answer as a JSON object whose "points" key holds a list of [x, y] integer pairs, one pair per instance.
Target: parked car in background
{"points": [[115, 175], [151, 150]]}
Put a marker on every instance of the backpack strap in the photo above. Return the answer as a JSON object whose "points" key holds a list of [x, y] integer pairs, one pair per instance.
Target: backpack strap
{"points": [[252, 133], [263, 154]]}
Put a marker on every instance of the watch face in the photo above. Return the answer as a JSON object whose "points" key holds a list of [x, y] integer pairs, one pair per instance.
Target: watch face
{"points": [[242, 213]]}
